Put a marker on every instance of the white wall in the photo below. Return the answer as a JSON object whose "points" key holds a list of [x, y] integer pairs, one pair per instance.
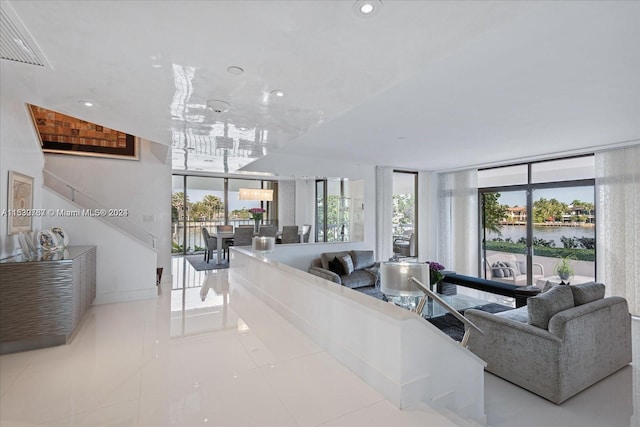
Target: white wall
{"points": [[306, 169], [125, 268], [19, 151], [143, 187], [286, 203]]}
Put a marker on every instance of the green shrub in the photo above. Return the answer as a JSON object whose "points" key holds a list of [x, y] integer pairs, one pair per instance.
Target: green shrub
{"points": [[519, 248]]}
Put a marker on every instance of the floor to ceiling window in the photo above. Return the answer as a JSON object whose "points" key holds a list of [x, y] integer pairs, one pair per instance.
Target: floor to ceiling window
{"points": [[199, 201], [332, 210], [405, 213], [537, 222]]}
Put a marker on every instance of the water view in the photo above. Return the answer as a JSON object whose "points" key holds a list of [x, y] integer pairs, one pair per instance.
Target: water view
{"points": [[549, 233]]}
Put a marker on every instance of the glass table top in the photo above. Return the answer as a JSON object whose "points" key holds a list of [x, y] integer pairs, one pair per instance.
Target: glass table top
{"points": [[433, 309]]}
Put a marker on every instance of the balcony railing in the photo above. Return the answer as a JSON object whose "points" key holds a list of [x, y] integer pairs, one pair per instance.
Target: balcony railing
{"points": [[193, 242]]}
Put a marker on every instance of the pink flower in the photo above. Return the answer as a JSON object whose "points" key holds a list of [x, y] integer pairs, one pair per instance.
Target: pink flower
{"points": [[256, 210]]}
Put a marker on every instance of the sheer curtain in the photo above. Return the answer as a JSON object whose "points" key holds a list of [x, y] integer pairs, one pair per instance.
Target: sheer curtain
{"points": [[618, 223], [384, 212], [458, 222]]}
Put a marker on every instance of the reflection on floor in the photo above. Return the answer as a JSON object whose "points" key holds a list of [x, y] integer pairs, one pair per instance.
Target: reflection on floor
{"points": [[195, 357], [191, 357]]}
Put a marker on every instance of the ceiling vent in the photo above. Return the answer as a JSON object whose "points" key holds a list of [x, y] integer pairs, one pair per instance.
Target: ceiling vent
{"points": [[16, 44]]}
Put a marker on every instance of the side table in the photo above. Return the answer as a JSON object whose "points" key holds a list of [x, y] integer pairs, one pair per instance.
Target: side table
{"points": [[524, 292]]}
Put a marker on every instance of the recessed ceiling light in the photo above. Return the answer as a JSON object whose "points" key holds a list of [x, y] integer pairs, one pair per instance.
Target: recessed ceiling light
{"points": [[277, 93], [87, 103], [236, 71], [218, 106], [367, 7]]}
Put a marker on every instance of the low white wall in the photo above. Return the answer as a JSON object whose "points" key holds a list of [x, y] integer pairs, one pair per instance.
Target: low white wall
{"points": [[404, 357], [125, 268]]}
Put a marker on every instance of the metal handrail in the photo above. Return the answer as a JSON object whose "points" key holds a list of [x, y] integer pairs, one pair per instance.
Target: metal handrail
{"points": [[429, 293], [97, 209]]}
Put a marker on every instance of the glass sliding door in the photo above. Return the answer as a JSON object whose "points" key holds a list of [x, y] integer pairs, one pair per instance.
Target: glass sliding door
{"points": [[541, 223], [503, 231], [321, 211], [405, 213], [333, 210], [564, 233], [179, 206], [199, 201]]}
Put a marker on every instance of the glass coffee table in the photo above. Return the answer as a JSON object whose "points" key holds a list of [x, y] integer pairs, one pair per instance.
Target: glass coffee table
{"points": [[433, 309]]}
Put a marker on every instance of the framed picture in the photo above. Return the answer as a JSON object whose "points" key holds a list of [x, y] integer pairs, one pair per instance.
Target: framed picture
{"points": [[20, 203], [64, 134]]}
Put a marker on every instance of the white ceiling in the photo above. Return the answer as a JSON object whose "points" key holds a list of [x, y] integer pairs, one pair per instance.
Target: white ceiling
{"points": [[424, 85]]}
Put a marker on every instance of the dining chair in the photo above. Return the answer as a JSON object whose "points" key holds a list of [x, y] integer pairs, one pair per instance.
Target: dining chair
{"points": [[290, 234], [267, 230], [242, 236], [210, 244], [227, 241], [306, 232]]}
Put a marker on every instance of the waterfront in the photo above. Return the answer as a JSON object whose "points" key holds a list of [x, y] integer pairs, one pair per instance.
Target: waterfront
{"points": [[552, 233]]}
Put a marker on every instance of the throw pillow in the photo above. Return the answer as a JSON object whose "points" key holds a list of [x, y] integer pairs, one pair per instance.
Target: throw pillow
{"points": [[548, 286], [336, 266], [347, 264], [514, 265], [522, 266], [362, 259], [544, 306], [587, 292], [328, 256], [496, 270], [505, 270]]}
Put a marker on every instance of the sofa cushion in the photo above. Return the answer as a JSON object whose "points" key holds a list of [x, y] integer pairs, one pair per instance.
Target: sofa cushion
{"points": [[329, 256], [336, 266], [375, 273], [514, 265], [503, 266], [544, 306], [519, 314], [358, 279], [347, 263], [587, 292], [548, 286], [362, 259], [522, 266], [496, 270]]}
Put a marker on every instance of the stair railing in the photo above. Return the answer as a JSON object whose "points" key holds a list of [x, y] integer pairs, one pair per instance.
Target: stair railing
{"points": [[428, 293], [90, 207]]}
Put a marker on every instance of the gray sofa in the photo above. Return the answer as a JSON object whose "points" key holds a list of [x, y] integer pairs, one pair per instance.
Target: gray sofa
{"points": [[564, 340], [362, 271]]}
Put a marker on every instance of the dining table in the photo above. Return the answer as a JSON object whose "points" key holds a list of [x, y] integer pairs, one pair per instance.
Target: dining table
{"points": [[221, 236]]}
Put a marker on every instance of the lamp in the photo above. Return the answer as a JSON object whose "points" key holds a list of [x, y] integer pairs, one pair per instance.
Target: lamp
{"points": [[262, 194], [394, 278], [263, 244], [402, 278]]}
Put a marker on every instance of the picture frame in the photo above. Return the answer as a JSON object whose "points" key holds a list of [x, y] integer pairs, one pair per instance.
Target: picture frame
{"points": [[20, 200], [63, 134]]}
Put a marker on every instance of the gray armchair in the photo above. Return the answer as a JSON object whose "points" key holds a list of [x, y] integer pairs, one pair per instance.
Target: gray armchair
{"points": [[405, 245], [560, 343]]}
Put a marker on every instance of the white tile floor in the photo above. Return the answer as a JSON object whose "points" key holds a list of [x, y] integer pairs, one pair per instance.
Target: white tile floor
{"points": [[192, 357]]}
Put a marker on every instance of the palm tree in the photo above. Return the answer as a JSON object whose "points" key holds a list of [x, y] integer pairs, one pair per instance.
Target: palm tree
{"points": [[212, 205], [177, 205]]}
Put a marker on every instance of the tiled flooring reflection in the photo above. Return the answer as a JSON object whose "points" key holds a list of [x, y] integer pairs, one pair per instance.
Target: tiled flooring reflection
{"points": [[192, 357]]}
